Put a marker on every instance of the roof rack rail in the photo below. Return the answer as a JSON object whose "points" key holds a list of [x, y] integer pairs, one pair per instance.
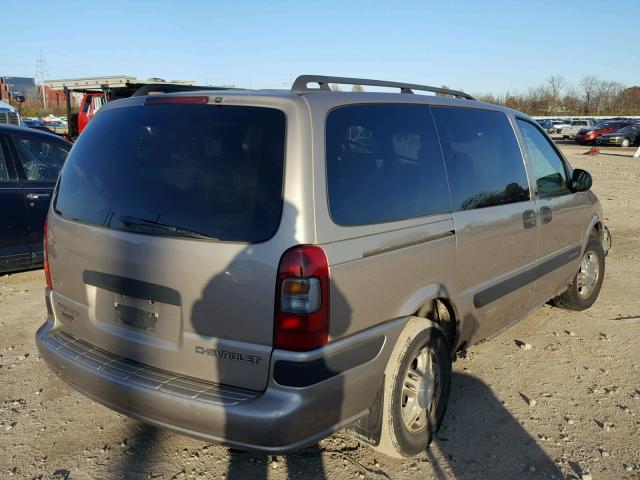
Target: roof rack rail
{"points": [[170, 88], [323, 81]]}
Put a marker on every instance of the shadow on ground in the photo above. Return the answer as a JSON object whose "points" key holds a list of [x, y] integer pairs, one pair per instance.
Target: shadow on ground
{"points": [[479, 439]]}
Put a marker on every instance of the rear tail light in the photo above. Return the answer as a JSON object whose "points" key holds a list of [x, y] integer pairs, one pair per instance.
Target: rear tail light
{"points": [[45, 251], [302, 299], [166, 100]]}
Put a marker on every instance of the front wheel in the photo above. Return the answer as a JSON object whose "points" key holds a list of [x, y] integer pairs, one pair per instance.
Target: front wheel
{"points": [[416, 392], [586, 284], [625, 142]]}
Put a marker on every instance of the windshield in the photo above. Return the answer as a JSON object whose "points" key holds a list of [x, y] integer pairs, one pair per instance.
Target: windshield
{"points": [[178, 170]]}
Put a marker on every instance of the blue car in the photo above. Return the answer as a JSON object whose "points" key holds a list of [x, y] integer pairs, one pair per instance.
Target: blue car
{"points": [[32, 123], [30, 161]]}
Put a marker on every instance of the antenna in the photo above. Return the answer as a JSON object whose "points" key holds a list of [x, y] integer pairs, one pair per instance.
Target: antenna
{"points": [[41, 70]]}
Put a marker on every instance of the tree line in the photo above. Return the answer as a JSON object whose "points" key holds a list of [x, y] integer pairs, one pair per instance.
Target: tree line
{"points": [[592, 96]]}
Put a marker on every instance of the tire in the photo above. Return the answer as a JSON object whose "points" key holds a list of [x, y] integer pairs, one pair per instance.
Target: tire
{"points": [[578, 296], [625, 142], [421, 345]]}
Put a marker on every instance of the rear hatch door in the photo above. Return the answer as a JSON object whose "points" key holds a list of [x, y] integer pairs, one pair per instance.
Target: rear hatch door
{"points": [[163, 237]]}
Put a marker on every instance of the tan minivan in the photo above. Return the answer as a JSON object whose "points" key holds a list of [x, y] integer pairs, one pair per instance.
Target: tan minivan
{"points": [[263, 268]]}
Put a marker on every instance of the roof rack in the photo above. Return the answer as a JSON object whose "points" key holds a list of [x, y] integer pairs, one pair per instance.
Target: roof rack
{"points": [[323, 81]]}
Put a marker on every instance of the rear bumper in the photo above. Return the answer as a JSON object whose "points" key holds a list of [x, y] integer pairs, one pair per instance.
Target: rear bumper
{"points": [[277, 420]]}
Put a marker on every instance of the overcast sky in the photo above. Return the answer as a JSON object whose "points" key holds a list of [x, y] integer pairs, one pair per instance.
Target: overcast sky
{"points": [[478, 46]]}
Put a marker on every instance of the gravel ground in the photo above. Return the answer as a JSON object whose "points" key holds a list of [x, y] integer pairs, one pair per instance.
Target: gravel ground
{"points": [[567, 407]]}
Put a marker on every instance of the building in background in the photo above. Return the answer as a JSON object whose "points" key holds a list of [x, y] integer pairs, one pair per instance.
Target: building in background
{"points": [[12, 86]]}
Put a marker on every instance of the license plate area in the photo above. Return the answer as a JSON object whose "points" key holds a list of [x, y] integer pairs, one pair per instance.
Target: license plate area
{"points": [[136, 318]]}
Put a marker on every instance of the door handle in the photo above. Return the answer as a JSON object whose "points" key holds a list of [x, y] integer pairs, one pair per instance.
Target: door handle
{"points": [[529, 219], [546, 214], [38, 196]]}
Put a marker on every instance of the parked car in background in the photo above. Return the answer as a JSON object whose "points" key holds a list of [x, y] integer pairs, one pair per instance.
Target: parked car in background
{"points": [[30, 161], [51, 127], [30, 122], [625, 137], [9, 114], [558, 125], [197, 280], [589, 136], [547, 126], [572, 130]]}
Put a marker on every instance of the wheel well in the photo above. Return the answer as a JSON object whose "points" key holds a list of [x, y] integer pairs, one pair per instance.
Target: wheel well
{"points": [[440, 311]]}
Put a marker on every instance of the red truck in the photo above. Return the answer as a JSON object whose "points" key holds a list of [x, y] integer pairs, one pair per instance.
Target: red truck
{"points": [[96, 91]]}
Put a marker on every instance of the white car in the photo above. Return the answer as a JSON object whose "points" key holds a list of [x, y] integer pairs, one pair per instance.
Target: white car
{"points": [[560, 124], [572, 130]]}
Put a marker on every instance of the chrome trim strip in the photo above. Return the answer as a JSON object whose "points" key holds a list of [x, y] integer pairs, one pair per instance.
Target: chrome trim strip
{"points": [[398, 246]]}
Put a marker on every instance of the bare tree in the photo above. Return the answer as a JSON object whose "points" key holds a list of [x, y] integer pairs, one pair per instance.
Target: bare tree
{"points": [[606, 94], [357, 88], [571, 102], [592, 96], [589, 85], [555, 84]]}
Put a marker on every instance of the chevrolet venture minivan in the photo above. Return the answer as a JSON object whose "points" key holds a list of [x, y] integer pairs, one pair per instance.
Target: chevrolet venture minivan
{"points": [[262, 268]]}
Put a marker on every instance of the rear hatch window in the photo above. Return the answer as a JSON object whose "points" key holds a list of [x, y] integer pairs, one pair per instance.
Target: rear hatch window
{"points": [[183, 170]]}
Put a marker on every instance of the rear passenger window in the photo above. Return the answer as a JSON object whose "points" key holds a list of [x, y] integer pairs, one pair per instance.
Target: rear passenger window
{"points": [[484, 164], [383, 164]]}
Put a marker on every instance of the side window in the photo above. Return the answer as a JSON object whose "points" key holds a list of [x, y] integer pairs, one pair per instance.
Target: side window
{"points": [[87, 104], [4, 172], [383, 164], [548, 168], [484, 164], [41, 160], [98, 102]]}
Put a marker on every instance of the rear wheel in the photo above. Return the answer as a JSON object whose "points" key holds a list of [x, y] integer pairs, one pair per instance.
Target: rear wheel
{"points": [[417, 384], [585, 287], [625, 142]]}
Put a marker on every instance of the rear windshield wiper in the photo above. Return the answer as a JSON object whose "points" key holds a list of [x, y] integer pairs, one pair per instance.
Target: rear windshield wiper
{"points": [[137, 221]]}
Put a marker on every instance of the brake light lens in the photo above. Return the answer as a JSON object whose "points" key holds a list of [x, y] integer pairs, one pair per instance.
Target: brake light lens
{"points": [[166, 100], [302, 299], [45, 250]]}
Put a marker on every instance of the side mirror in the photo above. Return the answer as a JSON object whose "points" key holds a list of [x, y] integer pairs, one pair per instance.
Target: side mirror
{"points": [[19, 98], [581, 181]]}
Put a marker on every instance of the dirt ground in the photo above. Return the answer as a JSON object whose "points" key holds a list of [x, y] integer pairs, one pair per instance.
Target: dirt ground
{"points": [[569, 407]]}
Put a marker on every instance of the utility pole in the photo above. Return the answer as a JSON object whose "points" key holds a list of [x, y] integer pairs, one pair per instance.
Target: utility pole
{"points": [[41, 70]]}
